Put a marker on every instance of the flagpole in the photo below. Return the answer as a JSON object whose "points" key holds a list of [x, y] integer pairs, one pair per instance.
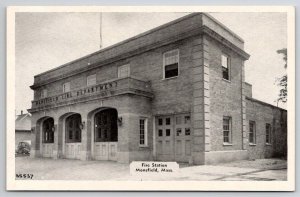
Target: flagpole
{"points": [[100, 29]]}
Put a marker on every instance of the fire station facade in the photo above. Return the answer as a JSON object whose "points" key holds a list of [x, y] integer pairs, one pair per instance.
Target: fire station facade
{"points": [[174, 93]]}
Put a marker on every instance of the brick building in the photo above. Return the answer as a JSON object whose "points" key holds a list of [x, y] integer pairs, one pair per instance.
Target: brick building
{"points": [[174, 93]]}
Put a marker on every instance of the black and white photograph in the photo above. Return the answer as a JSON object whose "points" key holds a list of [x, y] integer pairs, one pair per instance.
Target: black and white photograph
{"points": [[172, 99]]}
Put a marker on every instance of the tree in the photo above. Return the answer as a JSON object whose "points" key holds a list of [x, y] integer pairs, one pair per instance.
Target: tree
{"points": [[282, 81]]}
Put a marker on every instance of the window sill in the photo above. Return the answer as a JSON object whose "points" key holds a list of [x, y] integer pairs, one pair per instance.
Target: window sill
{"points": [[252, 144], [267, 144], [227, 144], [226, 80], [143, 146], [170, 78]]}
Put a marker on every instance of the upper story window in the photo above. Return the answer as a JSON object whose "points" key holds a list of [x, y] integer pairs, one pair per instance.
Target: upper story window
{"points": [[124, 71], [171, 64], [268, 134], [66, 87], [225, 67], [91, 80], [43, 93], [252, 132], [227, 129]]}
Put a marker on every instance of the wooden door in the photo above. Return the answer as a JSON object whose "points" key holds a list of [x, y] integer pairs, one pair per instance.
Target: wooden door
{"points": [[106, 135], [173, 138], [48, 138], [165, 138], [183, 138], [73, 137]]}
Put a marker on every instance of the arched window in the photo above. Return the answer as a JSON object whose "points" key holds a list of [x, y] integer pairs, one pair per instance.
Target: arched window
{"points": [[73, 131], [106, 128], [48, 130]]}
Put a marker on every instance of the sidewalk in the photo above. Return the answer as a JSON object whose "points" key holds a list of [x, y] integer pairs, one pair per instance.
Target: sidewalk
{"points": [[63, 169]]}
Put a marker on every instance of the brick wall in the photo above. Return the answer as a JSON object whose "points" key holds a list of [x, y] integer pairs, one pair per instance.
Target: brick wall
{"points": [[262, 114], [225, 97], [171, 95]]}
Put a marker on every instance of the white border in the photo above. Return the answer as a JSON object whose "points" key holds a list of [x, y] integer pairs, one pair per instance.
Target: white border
{"points": [[13, 184]]}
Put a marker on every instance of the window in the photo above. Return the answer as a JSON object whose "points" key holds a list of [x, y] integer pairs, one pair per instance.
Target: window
{"points": [[160, 132], [268, 134], [168, 132], [44, 93], [160, 121], [171, 62], [48, 130], [143, 132], [187, 131], [66, 87], [178, 131], [91, 80], [225, 67], [252, 132], [124, 71], [168, 121], [73, 131], [187, 119], [178, 119], [227, 130]]}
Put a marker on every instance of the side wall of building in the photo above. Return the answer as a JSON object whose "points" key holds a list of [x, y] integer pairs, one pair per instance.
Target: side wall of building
{"points": [[225, 97], [263, 114], [171, 95]]}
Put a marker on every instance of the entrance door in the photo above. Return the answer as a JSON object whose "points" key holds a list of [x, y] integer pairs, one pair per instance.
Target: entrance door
{"points": [[165, 138], [106, 135], [173, 138], [48, 137], [73, 137], [182, 138]]}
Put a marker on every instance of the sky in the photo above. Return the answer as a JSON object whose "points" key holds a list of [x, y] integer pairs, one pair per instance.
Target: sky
{"points": [[47, 40]]}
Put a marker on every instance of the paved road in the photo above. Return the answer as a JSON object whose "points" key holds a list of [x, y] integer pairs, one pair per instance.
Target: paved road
{"points": [[62, 169]]}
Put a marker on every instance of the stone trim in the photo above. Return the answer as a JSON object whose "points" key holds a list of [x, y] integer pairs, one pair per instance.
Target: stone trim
{"points": [[243, 111], [201, 102]]}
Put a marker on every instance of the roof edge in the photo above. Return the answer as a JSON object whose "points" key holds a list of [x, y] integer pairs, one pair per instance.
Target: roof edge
{"points": [[264, 103], [125, 41]]}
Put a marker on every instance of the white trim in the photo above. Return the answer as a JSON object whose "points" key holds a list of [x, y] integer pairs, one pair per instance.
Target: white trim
{"points": [[228, 66], [254, 132], [145, 132], [44, 93], [230, 130], [91, 77], [227, 144], [164, 63], [64, 89], [128, 70]]}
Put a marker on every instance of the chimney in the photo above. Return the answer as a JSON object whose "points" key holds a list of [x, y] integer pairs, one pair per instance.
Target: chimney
{"points": [[21, 112]]}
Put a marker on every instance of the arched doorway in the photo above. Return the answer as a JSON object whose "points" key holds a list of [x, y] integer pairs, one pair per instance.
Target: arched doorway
{"points": [[106, 129], [48, 131], [105, 134], [73, 136], [47, 137]]}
